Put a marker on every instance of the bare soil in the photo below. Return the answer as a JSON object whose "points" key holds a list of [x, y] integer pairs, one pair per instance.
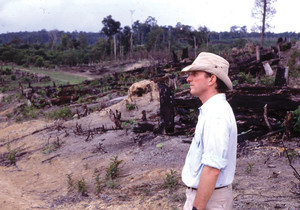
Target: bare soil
{"points": [[39, 180]]}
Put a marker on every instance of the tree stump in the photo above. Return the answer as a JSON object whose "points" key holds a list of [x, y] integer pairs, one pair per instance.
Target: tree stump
{"points": [[280, 79], [185, 53], [166, 108]]}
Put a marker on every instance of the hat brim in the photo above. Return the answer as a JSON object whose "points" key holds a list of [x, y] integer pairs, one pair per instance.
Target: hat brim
{"points": [[221, 75]]}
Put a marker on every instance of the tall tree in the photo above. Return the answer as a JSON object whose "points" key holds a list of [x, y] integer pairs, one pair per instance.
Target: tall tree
{"points": [[204, 34], [125, 39], [184, 34], [244, 30], [141, 30], [53, 34], [263, 10], [65, 41], [83, 40], [153, 37], [110, 29]]}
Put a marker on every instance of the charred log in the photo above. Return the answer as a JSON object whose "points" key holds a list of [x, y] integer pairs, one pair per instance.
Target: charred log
{"points": [[143, 127], [248, 104]]}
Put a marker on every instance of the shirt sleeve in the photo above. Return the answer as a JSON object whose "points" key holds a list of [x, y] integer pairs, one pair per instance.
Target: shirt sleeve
{"points": [[216, 141]]}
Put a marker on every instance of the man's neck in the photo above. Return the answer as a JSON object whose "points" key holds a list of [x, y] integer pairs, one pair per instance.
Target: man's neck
{"points": [[208, 96]]}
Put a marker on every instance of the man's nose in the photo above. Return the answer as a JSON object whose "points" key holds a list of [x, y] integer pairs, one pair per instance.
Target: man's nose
{"points": [[189, 78]]}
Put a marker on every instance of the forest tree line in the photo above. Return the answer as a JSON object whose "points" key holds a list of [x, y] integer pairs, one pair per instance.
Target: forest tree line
{"points": [[141, 40]]}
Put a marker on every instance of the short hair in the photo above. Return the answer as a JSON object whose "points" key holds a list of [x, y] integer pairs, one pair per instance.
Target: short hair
{"points": [[221, 87]]}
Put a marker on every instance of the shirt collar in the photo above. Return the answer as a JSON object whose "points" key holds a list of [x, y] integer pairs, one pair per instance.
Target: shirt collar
{"points": [[212, 100]]}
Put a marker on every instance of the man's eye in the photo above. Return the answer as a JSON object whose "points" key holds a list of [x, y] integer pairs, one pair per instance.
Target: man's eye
{"points": [[194, 73]]}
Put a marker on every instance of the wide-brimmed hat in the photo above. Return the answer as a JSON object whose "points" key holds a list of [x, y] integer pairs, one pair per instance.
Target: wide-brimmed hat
{"points": [[213, 64]]}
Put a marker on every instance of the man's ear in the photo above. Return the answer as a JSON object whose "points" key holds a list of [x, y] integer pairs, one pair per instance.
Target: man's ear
{"points": [[213, 79]]}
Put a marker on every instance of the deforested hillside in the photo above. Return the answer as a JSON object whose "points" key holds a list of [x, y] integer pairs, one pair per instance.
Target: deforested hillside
{"points": [[119, 138]]}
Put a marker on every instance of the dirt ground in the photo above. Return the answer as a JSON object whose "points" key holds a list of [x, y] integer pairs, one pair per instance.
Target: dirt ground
{"points": [[51, 155], [53, 158]]}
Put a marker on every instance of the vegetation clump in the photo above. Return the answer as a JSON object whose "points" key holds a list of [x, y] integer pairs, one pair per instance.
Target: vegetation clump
{"points": [[249, 168], [30, 112], [82, 187], [171, 181], [11, 157], [245, 78], [49, 148], [7, 71], [113, 171], [98, 184], [294, 69], [70, 181], [129, 124], [62, 113], [130, 107], [296, 120]]}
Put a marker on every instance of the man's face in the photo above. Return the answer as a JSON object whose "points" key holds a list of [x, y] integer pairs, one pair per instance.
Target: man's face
{"points": [[199, 83]]}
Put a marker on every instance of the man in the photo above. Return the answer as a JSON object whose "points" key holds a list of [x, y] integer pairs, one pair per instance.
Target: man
{"points": [[209, 167]]}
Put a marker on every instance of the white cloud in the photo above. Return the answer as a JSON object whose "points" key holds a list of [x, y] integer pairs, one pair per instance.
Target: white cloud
{"points": [[86, 15]]}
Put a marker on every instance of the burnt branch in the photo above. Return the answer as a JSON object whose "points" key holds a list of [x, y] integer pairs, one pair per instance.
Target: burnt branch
{"points": [[90, 136], [99, 148], [48, 159], [116, 118], [266, 117], [295, 172]]}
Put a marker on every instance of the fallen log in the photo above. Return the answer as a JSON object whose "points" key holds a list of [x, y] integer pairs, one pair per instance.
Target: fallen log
{"points": [[48, 159], [253, 63], [143, 127]]}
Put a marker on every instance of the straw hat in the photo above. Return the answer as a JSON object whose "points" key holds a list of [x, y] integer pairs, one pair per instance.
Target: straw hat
{"points": [[213, 64]]}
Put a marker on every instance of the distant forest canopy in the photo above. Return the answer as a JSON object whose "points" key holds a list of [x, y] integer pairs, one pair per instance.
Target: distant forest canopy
{"points": [[142, 40], [44, 36]]}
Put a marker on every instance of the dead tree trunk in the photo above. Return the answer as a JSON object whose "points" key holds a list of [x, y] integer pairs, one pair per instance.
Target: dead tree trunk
{"points": [[166, 108], [280, 79], [263, 25], [21, 88], [185, 53]]}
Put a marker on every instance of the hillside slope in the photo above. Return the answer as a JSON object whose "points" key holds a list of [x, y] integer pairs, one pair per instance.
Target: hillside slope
{"points": [[53, 154]]}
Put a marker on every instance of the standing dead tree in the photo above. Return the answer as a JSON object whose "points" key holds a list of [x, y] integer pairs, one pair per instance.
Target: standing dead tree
{"points": [[263, 10], [166, 108]]}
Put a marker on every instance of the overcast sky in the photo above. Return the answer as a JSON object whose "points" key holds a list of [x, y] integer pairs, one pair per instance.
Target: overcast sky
{"points": [[86, 15]]}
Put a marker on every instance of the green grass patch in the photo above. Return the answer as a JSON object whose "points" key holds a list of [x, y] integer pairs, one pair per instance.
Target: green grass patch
{"points": [[60, 77]]}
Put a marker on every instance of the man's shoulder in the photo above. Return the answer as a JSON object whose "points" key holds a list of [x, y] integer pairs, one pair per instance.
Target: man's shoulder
{"points": [[222, 108]]}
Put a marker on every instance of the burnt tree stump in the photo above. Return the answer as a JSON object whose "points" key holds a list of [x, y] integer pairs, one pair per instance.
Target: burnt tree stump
{"points": [[280, 79], [166, 108], [185, 53], [175, 58]]}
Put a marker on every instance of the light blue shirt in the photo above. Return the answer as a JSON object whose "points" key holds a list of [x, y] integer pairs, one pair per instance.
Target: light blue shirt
{"points": [[214, 143]]}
